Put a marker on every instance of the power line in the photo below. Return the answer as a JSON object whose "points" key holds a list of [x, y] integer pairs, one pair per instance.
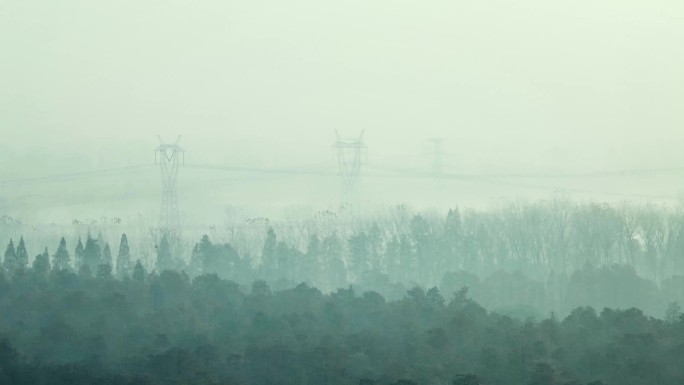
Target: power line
{"points": [[302, 170], [324, 170], [72, 176], [261, 170]]}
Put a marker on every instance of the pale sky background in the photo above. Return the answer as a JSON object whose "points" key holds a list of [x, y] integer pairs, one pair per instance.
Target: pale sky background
{"points": [[519, 86]]}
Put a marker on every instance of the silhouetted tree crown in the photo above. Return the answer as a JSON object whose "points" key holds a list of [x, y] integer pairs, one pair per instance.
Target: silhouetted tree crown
{"points": [[123, 259], [22, 255], [164, 257], [41, 264], [60, 261], [107, 255], [78, 253], [10, 258], [92, 254], [139, 272]]}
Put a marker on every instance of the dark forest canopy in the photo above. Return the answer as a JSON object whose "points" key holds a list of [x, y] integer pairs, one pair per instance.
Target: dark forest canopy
{"points": [[548, 293], [65, 328]]}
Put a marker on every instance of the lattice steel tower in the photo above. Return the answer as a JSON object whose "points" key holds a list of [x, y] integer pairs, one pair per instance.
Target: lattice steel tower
{"points": [[437, 158], [169, 157], [351, 155]]}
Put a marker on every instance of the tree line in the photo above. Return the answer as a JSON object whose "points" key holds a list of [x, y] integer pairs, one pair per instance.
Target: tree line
{"points": [[166, 328], [546, 256]]}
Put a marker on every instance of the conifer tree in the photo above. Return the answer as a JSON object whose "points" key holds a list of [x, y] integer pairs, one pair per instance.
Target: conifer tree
{"points": [[100, 240], [60, 261], [22, 255], [106, 255], [104, 268], [41, 265], [139, 272], [201, 253], [164, 258], [269, 261], [104, 271], [78, 254], [92, 254], [10, 260], [84, 271], [268, 254], [123, 259]]}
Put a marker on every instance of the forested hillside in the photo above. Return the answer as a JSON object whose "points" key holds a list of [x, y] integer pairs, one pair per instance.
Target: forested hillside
{"points": [[549, 293], [62, 328], [549, 256]]}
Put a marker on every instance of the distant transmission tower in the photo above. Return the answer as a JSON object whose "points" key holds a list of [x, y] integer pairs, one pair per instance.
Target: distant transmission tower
{"points": [[351, 155], [169, 157], [437, 158]]}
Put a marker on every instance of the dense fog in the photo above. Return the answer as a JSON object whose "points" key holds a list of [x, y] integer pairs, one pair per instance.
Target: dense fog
{"points": [[300, 192]]}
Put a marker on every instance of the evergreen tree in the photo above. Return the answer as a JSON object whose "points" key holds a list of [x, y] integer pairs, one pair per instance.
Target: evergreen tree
{"points": [[10, 260], [100, 240], [164, 258], [269, 261], [139, 272], [22, 255], [84, 271], [268, 254], [60, 261], [104, 271], [200, 252], [123, 259], [92, 254], [78, 254], [104, 268], [41, 265], [106, 255]]}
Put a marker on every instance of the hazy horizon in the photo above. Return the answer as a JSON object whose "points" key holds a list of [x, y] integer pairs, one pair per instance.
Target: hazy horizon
{"points": [[530, 87]]}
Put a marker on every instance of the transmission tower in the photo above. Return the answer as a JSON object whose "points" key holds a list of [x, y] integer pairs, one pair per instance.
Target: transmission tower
{"points": [[351, 155], [169, 157], [437, 158]]}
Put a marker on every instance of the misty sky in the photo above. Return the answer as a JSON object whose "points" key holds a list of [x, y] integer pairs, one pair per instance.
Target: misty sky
{"points": [[533, 79], [520, 85]]}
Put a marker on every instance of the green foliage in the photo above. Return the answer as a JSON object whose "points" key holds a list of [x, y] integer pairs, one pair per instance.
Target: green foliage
{"points": [[104, 271], [673, 312], [10, 262], [78, 254], [92, 254], [22, 255], [466, 379], [164, 257], [60, 261], [240, 317], [41, 264], [106, 255], [166, 328], [139, 272], [123, 259]]}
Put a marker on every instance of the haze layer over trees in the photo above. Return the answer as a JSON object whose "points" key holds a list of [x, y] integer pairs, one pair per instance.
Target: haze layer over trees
{"points": [[546, 293]]}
